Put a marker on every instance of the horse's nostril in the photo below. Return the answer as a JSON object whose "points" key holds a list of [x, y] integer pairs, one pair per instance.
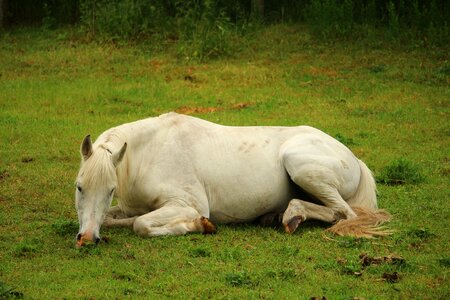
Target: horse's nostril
{"points": [[97, 240], [78, 236]]}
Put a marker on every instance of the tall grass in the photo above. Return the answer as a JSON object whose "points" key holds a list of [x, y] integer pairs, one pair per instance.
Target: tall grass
{"points": [[206, 29], [424, 21], [201, 29]]}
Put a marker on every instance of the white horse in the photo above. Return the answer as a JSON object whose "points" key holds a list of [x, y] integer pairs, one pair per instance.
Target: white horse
{"points": [[175, 174]]}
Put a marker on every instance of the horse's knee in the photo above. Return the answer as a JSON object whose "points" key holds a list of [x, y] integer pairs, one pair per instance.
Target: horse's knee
{"points": [[140, 227]]}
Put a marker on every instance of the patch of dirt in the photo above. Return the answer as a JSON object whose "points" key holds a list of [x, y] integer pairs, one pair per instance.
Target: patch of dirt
{"points": [[242, 105], [187, 110], [323, 72], [156, 64]]}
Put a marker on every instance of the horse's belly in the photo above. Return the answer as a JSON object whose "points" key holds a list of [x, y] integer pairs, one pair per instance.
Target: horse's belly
{"points": [[246, 202]]}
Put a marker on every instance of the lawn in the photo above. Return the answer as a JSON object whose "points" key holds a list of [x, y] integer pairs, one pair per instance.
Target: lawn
{"points": [[387, 102]]}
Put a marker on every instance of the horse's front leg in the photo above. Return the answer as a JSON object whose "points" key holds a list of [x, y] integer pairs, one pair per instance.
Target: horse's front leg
{"points": [[115, 217], [172, 220]]}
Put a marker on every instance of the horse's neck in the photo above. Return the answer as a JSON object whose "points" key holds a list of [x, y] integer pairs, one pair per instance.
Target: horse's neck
{"points": [[134, 134], [137, 135]]}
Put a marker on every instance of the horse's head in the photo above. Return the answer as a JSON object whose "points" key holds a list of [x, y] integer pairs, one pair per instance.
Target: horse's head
{"points": [[95, 186]]}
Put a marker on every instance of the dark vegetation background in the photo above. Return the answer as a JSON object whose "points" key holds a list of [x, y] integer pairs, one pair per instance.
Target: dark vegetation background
{"points": [[213, 28]]}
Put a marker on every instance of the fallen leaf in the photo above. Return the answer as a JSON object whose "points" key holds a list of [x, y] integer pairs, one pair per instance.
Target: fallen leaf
{"points": [[27, 159], [241, 105], [391, 277], [367, 260]]}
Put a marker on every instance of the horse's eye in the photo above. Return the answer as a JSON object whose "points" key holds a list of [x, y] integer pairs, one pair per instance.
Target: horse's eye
{"points": [[79, 188], [112, 192]]}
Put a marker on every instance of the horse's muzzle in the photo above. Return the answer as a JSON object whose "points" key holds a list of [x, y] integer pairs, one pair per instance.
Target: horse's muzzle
{"points": [[84, 239]]}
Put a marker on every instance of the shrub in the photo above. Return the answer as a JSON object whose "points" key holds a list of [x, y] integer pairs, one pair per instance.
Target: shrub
{"points": [[205, 32], [400, 171], [123, 19]]}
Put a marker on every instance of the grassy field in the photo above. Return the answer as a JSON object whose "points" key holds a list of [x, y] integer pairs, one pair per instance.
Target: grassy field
{"points": [[387, 103]]}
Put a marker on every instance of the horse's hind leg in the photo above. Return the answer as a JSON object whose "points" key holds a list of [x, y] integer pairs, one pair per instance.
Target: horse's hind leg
{"points": [[299, 211], [319, 177]]}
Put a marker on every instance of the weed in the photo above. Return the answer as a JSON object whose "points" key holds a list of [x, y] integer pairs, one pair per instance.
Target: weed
{"points": [[414, 238], [362, 112], [27, 248], [444, 262], [89, 249], [380, 68], [7, 292], [231, 254], [200, 252], [329, 265], [351, 268], [64, 227], [289, 251], [445, 70], [241, 278], [288, 274], [351, 242], [420, 233], [129, 291], [121, 276], [401, 171]]}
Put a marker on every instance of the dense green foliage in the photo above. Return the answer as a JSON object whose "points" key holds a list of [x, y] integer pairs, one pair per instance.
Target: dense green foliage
{"points": [[211, 25]]}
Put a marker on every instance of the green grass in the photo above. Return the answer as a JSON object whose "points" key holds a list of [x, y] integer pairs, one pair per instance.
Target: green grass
{"points": [[385, 102], [400, 171]]}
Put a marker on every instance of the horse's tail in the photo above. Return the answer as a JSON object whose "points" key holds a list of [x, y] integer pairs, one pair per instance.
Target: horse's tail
{"points": [[366, 194], [364, 204]]}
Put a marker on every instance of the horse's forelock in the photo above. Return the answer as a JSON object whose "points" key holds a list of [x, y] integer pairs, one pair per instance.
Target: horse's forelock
{"points": [[98, 169]]}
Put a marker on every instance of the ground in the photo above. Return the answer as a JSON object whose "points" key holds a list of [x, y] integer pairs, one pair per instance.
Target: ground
{"points": [[386, 102]]}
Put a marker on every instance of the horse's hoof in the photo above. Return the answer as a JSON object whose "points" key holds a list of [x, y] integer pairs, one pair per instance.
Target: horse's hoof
{"points": [[208, 226], [292, 224]]}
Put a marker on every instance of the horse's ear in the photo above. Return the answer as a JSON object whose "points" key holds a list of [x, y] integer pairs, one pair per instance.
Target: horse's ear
{"points": [[117, 157], [86, 147]]}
